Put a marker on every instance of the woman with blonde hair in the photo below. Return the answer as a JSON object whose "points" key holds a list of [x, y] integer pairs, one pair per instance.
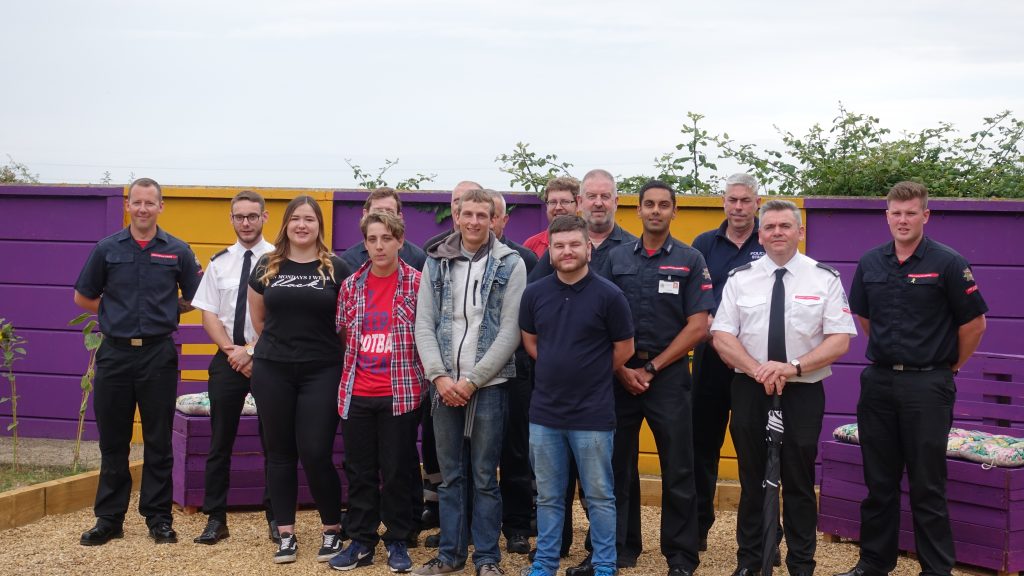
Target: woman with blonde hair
{"points": [[297, 363]]}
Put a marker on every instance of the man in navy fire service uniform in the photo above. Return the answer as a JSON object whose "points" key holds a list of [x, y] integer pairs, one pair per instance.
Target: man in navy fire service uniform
{"points": [[919, 303], [669, 290], [729, 246], [131, 280]]}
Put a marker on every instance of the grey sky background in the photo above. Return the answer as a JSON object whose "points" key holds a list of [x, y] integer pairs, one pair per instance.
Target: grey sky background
{"points": [[260, 93]]}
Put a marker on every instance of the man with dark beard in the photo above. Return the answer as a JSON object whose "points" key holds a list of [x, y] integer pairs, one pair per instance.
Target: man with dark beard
{"points": [[579, 329]]}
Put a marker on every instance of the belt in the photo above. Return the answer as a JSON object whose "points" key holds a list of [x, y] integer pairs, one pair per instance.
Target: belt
{"points": [[906, 368], [646, 354], [138, 342]]}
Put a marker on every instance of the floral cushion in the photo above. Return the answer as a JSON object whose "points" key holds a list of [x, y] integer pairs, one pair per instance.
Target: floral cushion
{"points": [[198, 404], [990, 450]]}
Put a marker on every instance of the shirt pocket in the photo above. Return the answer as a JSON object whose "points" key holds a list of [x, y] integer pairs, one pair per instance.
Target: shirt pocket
{"points": [[626, 276], [405, 312], [164, 267], [807, 314], [121, 271], [924, 292], [753, 314]]}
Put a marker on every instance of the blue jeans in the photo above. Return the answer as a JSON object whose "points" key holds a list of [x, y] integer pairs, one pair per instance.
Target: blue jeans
{"points": [[550, 449], [483, 451]]}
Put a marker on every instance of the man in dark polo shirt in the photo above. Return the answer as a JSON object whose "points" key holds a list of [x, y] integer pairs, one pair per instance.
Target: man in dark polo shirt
{"points": [[919, 303], [598, 201], [729, 246], [383, 200], [669, 291], [131, 281], [578, 328]]}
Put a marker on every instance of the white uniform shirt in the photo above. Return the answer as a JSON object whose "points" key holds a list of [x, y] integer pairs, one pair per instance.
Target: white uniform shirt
{"points": [[218, 290], [815, 307]]}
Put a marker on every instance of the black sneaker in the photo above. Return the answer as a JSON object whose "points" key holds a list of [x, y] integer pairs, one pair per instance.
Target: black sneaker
{"points": [[287, 549], [330, 546]]}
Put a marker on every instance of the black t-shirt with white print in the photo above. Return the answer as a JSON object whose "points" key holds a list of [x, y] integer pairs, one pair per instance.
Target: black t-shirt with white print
{"points": [[300, 312]]}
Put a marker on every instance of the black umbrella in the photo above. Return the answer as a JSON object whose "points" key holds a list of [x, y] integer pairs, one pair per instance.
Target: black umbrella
{"points": [[772, 474]]}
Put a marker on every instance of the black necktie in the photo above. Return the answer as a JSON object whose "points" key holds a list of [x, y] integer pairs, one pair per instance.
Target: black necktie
{"points": [[777, 320], [243, 291]]}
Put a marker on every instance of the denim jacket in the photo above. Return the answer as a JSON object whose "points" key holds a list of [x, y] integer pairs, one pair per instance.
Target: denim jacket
{"points": [[500, 289]]}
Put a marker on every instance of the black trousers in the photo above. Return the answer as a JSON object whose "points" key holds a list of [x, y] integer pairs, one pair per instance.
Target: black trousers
{"points": [[666, 406], [127, 376], [516, 480], [803, 406], [378, 449], [227, 388], [903, 420], [431, 469], [298, 405], [712, 381]]}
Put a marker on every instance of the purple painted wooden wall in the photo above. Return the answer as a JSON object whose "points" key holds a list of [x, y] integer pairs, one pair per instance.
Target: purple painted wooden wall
{"points": [[990, 234], [46, 234], [526, 218]]}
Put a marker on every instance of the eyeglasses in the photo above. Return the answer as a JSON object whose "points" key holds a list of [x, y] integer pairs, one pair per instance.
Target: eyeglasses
{"points": [[252, 218], [560, 202], [596, 197]]}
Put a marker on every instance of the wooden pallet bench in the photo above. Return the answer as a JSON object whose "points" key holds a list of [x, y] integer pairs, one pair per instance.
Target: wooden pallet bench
{"points": [[986, 504], [190, 441]]}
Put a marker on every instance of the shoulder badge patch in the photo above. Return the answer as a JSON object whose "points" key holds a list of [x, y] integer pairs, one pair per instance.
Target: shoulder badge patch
{"points": [[707, 274], [968, 275], [738, 268], [829, 268]]}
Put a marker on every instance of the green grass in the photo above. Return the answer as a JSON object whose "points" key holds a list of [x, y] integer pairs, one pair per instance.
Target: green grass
{"points": [[28, 474]]}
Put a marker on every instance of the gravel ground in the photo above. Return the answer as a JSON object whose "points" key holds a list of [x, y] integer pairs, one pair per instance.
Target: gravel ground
{"points": [[50, 546]]}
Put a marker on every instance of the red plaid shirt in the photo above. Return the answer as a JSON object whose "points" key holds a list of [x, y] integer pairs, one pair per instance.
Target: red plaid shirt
{"points": [[407, 381]]}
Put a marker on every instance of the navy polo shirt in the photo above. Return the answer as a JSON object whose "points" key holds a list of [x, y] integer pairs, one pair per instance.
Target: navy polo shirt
{"points": [[576, 326], [722, 256], [663, 289], [597, 256], [915, 307], [411, 254], [139, 286]]}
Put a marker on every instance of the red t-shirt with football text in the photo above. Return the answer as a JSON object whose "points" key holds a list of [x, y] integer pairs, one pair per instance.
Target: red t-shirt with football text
{"points": [[373, 360]]}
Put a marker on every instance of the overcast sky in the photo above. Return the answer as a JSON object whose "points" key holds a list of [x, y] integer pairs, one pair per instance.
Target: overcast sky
{"points": [[280, 93]]}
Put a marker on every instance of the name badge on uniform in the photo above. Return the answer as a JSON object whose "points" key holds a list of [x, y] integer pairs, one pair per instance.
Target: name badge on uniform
{"points": [[668, 287]]}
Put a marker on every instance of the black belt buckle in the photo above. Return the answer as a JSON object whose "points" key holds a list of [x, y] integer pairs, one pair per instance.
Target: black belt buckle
{"points": [[138, 342]]}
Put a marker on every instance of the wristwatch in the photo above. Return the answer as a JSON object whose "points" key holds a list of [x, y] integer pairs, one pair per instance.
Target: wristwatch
{"points": [[796, 364], [650, 368], [250, 349]]}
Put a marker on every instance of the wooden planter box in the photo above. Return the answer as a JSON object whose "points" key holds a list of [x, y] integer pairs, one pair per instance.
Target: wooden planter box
{"points": [[190, 439], [191, 443], [986, 504]]}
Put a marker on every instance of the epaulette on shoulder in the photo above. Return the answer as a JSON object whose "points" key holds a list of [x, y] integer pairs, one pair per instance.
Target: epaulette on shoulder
{"points": [[740, 268], [829, 268], [214, 257]]}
